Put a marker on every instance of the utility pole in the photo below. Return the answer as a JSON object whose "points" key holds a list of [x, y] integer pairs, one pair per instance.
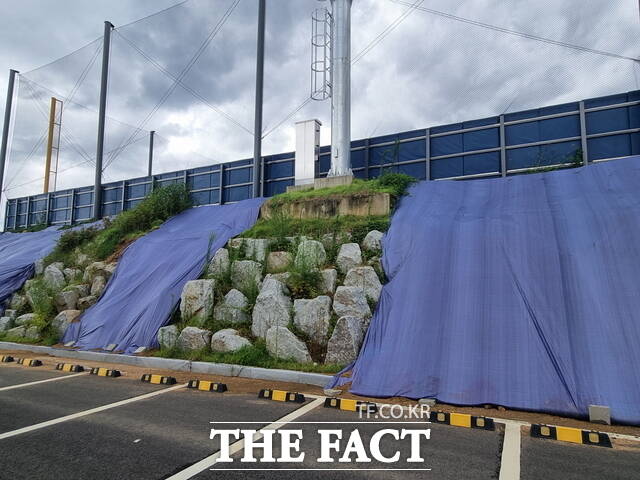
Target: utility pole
{"points": [[257, 131], [97, 192], [152, 134], [7, 123], [341, 89]]}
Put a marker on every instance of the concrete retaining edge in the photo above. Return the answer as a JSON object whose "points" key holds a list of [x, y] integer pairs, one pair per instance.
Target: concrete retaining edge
{"points": [[226, 370]]}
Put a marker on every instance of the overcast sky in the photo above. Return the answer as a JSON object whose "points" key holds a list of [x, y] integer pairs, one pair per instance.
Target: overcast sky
{"points": [[428, 71]]}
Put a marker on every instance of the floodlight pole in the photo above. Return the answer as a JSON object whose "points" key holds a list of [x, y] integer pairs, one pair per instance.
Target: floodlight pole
{"points": [[7, 123], [152, 135], [341, 89], [97, 192], [257, 130]]}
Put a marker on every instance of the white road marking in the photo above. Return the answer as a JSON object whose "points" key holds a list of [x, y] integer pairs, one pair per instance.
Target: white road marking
{"points": [[84, 413], [210, 461], [21, 385], [510, 464]]}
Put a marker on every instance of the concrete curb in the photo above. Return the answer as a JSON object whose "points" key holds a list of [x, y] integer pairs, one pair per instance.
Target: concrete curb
{"points": [[226, 370]]}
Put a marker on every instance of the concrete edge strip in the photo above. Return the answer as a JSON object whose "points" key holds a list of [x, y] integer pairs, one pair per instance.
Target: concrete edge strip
{"points": [[510, 460], [84, 413], [236, 447], [22, 385], [257, 373], [227, 370]]}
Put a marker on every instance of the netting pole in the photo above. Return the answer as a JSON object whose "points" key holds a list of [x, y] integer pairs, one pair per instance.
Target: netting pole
{"points": [[97, 192], [7, 124], [257, 131], [152, 134]]}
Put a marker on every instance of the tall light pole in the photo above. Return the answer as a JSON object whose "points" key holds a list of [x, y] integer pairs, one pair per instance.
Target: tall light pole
{"points": [[7, 123], [257, 130], [97, 192], [341, 89]]}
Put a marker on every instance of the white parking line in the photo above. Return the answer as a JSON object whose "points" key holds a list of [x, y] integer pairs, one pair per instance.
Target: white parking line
{"points": [[510, 464], [73, 416], [21, 385], [210, 461]]}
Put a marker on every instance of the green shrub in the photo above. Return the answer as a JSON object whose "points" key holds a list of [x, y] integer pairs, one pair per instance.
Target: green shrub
{"points": [[68, 242], [398, 183], [157, 207]]}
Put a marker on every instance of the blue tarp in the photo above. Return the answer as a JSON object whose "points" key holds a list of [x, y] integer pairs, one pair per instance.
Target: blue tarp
{"points": [[148, 282], [521, 292], [18, 252]]}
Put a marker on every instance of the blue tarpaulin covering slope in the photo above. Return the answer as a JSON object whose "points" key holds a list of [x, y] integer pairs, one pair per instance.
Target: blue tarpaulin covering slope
{"points": [[18, 252], [146, 286], [520, 292]]}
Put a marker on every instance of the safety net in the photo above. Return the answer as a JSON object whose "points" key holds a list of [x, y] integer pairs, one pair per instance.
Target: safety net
{"points": [[519, 292], [146, 286]]}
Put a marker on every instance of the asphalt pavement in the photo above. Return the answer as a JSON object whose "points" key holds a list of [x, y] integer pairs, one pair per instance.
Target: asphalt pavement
{"points": [[56, 425]]}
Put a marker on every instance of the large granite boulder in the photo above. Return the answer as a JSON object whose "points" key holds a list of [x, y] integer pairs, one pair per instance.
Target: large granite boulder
{"points": [[53, 277], [72, 274], [80, 259], [25, 332], [345, 342], [66, 300], [18, 302], [279, 261], [86, 302], [281, 343], [39, 266], [254, 248], [273, 307], [12, 314], [349, 256], [98, 268], [228, 340], [365, 278], [25, 319], [331, 240], [246, 274], [6, 323], [193, 338], [82, 290], [168, 336], [351, 301], [329, 281], [233, 308], [196, 302], [63, 320], [219, 264], [311, 255], [373, 241], [98, 285], [313, 318]]}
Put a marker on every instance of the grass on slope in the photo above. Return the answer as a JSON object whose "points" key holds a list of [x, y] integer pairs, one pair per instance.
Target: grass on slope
{"points": [[100, 243], [395, 184]]}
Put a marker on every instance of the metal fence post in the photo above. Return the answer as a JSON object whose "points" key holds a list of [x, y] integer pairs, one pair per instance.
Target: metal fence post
{"points": [[122, 200], [427, 150], [221, 183], [46, 213], [73, 207], [152, 134], [583, 135], [503, 149]]}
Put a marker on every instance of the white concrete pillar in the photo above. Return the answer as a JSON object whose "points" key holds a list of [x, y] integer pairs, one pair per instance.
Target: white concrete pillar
{"points": [[307, 145]]}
